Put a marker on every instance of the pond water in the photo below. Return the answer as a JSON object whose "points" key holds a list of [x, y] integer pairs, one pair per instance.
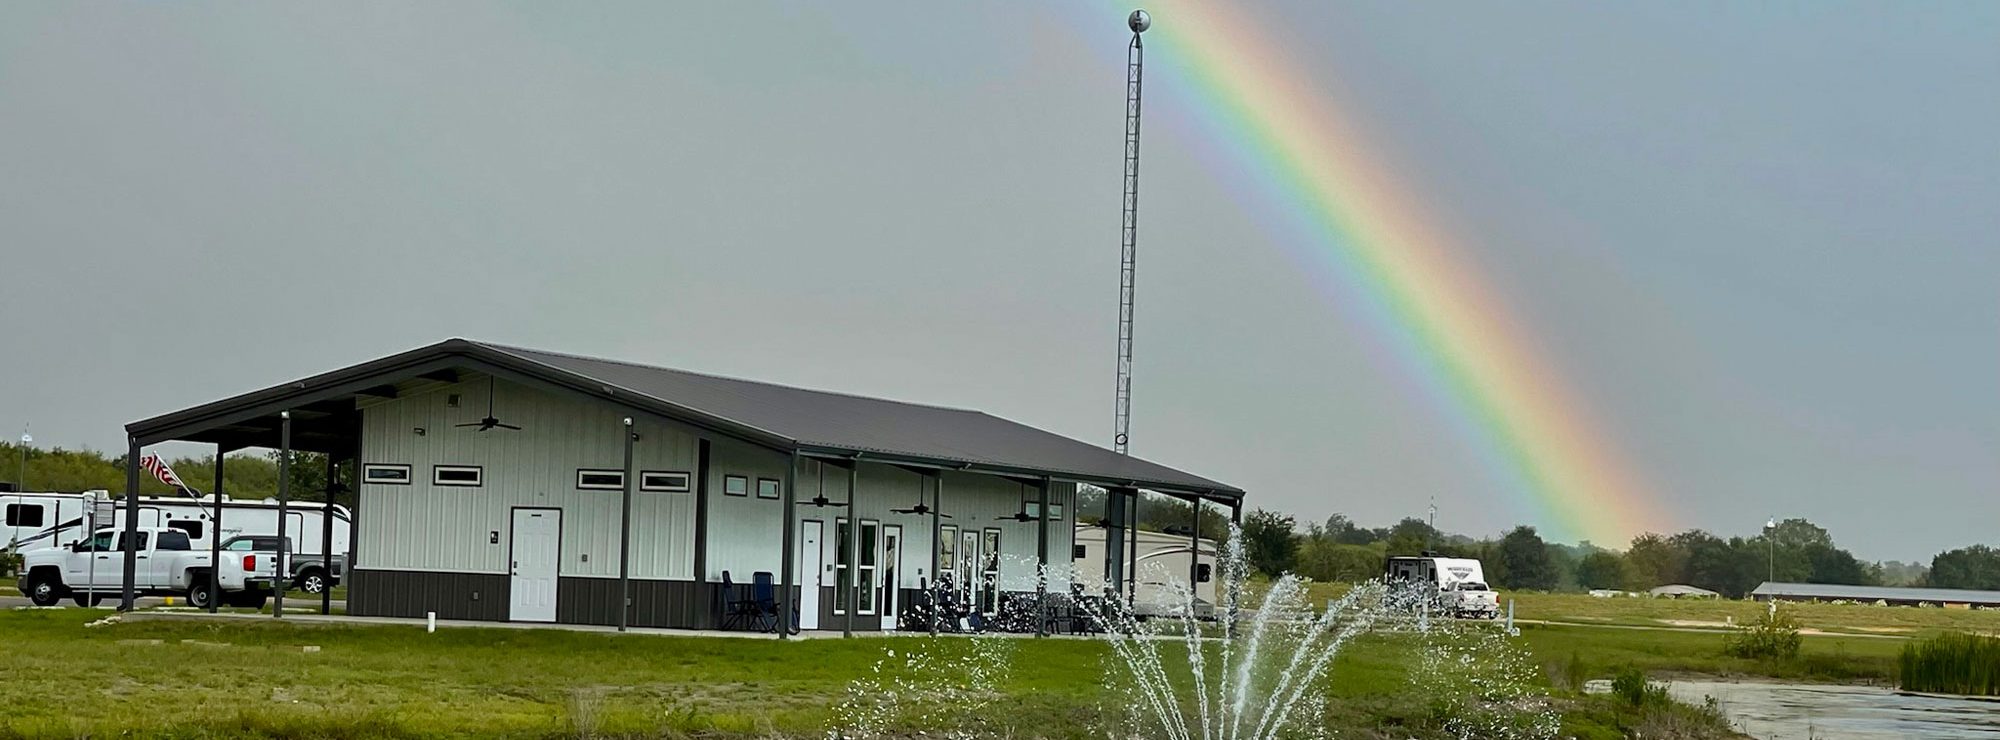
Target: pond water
{"points": [[1777, 711]]}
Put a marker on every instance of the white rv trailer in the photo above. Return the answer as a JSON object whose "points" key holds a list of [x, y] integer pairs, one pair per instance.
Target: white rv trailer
{"points": [[1162, 572], [36, 520]]}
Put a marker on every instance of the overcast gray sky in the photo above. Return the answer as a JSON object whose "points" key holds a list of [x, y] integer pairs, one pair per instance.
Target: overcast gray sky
{"points": [[1757, 240]]}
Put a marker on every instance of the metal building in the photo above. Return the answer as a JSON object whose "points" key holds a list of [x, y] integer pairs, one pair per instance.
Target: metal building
{"points": [[493, 481]]}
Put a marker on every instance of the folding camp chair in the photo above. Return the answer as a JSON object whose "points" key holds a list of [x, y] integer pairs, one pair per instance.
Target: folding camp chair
{"points": [[764, 597], [737, 612]]}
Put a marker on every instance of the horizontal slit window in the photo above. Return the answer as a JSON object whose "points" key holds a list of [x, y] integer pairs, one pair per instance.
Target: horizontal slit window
{"points": [[601, 480], [457, 475], [735, 485], [767, 488], [395, 475], [24, 515], [669, 481]]}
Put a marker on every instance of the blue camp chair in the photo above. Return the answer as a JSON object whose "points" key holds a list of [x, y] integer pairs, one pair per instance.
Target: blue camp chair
{"points": [[734, 611]]}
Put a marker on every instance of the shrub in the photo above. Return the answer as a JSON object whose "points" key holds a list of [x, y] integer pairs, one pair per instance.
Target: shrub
{"points": [[1631, 686], [1775, 635], [1953, 663]]}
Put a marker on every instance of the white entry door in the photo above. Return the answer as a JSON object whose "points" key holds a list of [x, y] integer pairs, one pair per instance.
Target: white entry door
{"points": [[812, 559], [537, 548], [892, 576]]}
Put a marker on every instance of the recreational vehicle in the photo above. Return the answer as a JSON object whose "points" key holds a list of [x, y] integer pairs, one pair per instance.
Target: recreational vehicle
{"points": [[1457, 585], [31, 521], [1162, 573]]}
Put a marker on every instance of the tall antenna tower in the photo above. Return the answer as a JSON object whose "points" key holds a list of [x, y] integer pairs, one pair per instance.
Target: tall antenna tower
{"points": [[1135, 68]]}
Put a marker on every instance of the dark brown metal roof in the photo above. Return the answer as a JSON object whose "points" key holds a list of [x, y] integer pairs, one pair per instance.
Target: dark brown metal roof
{"points": [[811, 421]]}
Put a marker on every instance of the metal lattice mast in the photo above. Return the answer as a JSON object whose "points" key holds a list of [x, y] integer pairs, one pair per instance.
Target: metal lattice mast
{"points": [[1135, 67]]}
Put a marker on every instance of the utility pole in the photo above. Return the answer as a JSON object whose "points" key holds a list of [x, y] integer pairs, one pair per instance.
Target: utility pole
{"points": [[1430, 533], [1135, 67], [21, 484]]}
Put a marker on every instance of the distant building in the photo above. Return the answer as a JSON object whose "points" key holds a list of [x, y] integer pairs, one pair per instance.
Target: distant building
{"points": [[1683, 591], [1891, 595]]}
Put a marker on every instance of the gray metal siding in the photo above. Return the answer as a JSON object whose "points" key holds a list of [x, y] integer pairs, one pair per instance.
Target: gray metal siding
{"points": [[444, 528], [676, 604], [397, 593], [743, 533]]}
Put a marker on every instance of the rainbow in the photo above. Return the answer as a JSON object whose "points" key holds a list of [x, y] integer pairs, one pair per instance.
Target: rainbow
{"points": [[1368, 242]]}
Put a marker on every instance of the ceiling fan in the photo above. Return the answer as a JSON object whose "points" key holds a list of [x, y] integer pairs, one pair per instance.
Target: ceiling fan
{"points": [[920, 509], [819, 498], [1022, 515], [490, 422]]}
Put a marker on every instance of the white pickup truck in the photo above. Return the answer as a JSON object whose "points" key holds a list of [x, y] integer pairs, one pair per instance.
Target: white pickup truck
{"points": [[94, 571]]}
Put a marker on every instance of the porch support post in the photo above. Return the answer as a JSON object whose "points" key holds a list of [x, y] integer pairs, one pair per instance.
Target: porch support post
{"points": [[215, 537], [1132, 549], [850, 590], [937, 544], [1114, 542], [131, 523], [701, 514], [283, 577], [786, 602], [625, 534], [1042, 563], [1235, 584], [1194, 550], [326, 535]]}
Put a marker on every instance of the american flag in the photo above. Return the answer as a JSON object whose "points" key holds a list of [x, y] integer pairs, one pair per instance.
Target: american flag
{"points": [[159, 468]]}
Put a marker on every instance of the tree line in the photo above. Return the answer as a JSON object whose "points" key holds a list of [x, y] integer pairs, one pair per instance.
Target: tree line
{"points": [[1794, 551], [245, 475]]}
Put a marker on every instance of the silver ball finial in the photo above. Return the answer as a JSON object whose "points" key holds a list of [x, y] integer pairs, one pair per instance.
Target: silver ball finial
{"points": [[1139, 21]]}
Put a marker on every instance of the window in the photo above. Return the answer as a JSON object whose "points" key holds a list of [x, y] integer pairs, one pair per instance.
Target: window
{"points": [[989, 577], [384, 474], [24, 515], [1034, 510], [947, 551], [174, 541], [252, 544], [735, 485], [102, 542], [190, 526], [865, 579], [1079, 552], [601, 480], [767, 488], [1203, 573], [840, 560], [1055, 510], [670, 481], [456, 475]]}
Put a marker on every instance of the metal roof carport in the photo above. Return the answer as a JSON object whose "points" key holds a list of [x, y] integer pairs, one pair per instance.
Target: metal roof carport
{"points": [[319, 414]]}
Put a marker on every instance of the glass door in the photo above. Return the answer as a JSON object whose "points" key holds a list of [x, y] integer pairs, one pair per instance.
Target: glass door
{"points": [[968, 562], [870, 559], [892, 584], [989, 575]]}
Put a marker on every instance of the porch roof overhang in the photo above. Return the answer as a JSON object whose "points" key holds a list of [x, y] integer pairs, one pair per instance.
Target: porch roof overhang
{"points": [[325, 417]]}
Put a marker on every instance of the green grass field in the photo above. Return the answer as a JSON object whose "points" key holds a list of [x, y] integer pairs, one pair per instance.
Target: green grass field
{"points": [[1717, 613], [252, 679]]}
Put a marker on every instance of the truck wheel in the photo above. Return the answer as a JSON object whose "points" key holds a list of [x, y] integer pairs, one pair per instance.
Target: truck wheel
{"points": [[44, 591], [310, 580], [199, 594]]}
